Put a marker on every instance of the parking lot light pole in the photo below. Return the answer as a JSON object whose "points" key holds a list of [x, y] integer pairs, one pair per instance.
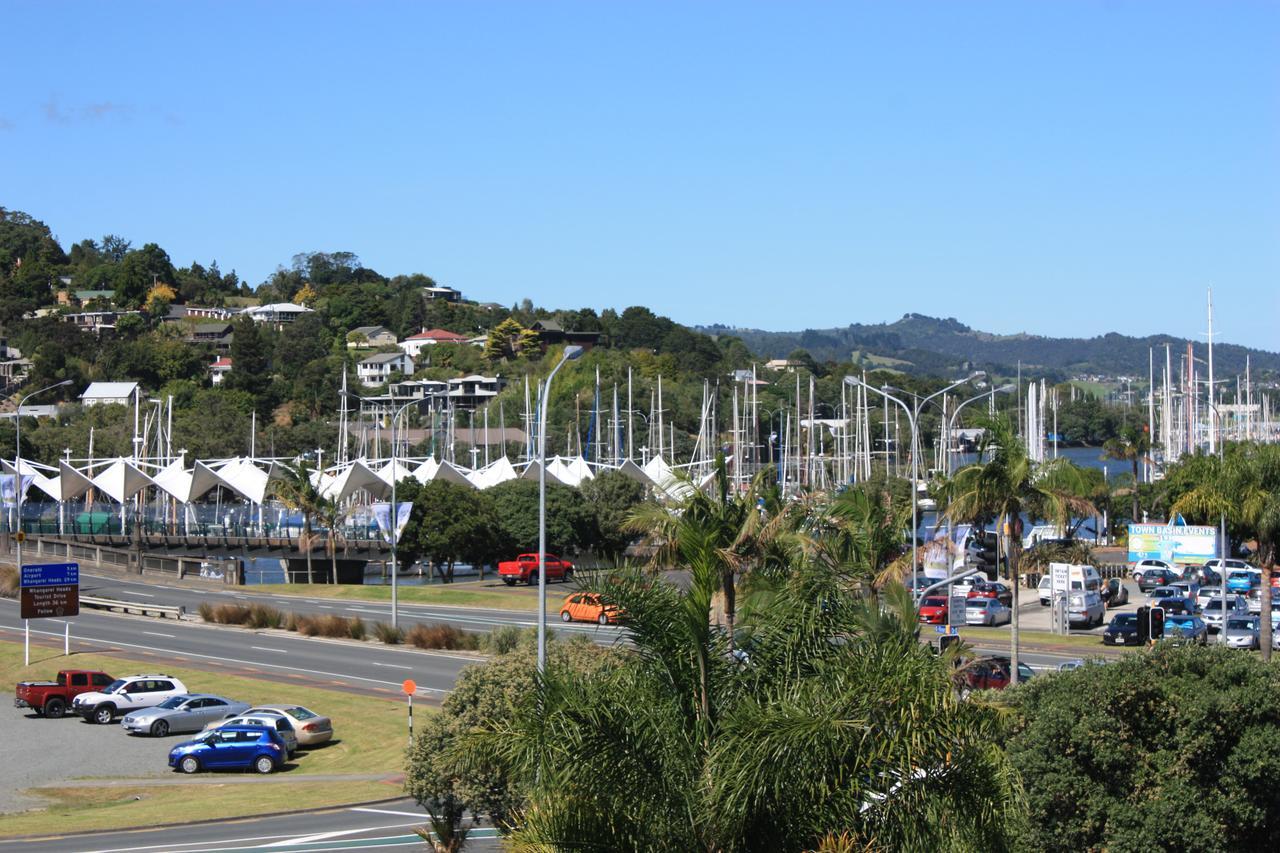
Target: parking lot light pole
{"points": [[570, 353], [17, 467]]}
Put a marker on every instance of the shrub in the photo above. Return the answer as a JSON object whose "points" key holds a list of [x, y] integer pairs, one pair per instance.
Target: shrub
{"points": [[387, 634], [265, 616], [227, 614], [501, 640], [442, 637], [8, 582], [328, 625], [292, 622], [355, 628], [206, 611]]}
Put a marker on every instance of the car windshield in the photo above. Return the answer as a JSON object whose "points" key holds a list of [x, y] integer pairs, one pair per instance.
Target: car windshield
{"points": [[978, 603], [1240, 624], [114, 686], [173, 702], [934, 601], [1216, 604], [1124, 619]]}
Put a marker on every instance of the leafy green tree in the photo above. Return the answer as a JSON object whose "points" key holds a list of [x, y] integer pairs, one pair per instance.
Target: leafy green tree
{"points": [[296, 489], [570, 523], [139, 271], [612, 497], [503, 340], [451, 523], [1132, 445], [1172, 749], [250, 358]]}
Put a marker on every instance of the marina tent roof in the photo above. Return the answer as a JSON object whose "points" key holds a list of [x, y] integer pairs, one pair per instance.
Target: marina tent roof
{"points": [[121, 480], [397, 470], [246, 479], [572, 471], [498, 471], [530, 472], [183, 485], [49, 485], [451, 473], [355, 477], [426, 472], [72, 483], [630, 469]]}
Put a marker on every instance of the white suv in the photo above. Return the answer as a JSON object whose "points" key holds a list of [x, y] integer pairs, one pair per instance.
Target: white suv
{"points": [[131, 693], [1138, 569]]}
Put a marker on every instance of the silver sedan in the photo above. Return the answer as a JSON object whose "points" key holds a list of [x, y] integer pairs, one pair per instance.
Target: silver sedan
{"points": [[986, 611], [186, 713], [1242, 632]]}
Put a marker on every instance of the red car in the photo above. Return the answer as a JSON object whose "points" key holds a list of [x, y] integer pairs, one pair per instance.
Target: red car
{"points": [[53, 698], [992, 674], [993, 589], [933, 610], [524, 569]]}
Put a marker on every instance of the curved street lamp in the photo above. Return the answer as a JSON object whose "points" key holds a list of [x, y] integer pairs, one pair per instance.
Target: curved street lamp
{"points": [[570, 353]]}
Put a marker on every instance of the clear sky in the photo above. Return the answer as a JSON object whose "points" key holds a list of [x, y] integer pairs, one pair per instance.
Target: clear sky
{"points": [[1050, 167]]}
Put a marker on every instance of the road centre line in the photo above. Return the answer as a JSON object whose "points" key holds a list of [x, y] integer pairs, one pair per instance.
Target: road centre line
{"points": [[158, 634], [197, 844], [266, 649]]}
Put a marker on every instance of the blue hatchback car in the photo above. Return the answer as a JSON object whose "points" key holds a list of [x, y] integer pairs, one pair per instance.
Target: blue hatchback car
{"points": [[230, 748]]}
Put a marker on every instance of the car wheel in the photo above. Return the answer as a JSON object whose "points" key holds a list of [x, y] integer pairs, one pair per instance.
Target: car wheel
{"points": [[603, 619], [565, 617], [533, 578], [159, 728], [264, 764], [508, 582], [568, 576], [55, 708], [190, 764], [103, 714]]}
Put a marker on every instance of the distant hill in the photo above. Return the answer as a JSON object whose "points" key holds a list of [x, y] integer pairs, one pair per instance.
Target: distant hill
{"points": [[929, 344]]}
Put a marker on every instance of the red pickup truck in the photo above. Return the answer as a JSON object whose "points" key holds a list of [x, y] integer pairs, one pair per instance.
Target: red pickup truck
{"points": [[524, 569], [52, 698]]}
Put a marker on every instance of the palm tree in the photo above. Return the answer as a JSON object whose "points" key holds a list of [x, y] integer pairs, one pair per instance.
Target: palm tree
{"points": [[1243, 488], [731, 534], [330, 513], [297, 489], [1008, 485], [833, 726], [861, 532], [1132, 445]]}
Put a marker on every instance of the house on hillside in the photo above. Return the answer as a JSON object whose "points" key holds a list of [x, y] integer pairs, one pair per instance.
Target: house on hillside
{"points": [[278, 313], [785, 365], [412, 345], [472, 392], [370, 337], [445, 294], [379, 367], [110, 393], [551, 333], [219, 335], [219, 370]]}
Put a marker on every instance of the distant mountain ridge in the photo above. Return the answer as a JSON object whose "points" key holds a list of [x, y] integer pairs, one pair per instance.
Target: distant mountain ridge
{"points": [[930, 344]]}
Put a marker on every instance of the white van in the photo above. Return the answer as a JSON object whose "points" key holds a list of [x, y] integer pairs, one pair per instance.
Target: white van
{"points": [[1082, 578]]}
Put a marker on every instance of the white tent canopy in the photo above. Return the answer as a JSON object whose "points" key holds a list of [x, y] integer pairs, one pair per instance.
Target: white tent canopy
{"points": [[121, 480], [492, 474], [572, 471], [355, 477], [185, 486], [396, 471]]}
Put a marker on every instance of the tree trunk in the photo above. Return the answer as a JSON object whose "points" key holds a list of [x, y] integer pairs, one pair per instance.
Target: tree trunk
{"points": [[730, 603], [1012, 544], [306, 532], [1265, 628], [1136, 518], [333, 558]]}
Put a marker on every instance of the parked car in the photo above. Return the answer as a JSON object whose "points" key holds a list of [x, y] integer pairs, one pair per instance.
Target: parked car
{"points": [[1085, 609], [1242, 632], [1185, 628], [188, 713], [132, 693], [1253, 600], [992, 589], [1162, 592], [1207, 594], [933, 610], [310, 728], [1071, 665], [1046, 590], [1176, 604], [272, 721], [586, 607], [1186, 588], [52, 698], [1140, 568], [524, 569], [1212, 613], [1123, 631], [1153, 578], [986, 611], [1243, 580], [992, 673], [232, 748], [1115, 593]]}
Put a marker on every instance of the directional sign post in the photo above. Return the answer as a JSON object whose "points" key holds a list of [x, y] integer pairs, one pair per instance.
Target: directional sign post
{"points": [[50, 590]]}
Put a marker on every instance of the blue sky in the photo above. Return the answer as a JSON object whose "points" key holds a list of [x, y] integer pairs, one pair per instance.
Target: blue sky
{"points": [[1048, 167]]}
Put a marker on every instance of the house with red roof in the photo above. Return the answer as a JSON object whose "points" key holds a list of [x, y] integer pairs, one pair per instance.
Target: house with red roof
{"points": [[412, 345]]}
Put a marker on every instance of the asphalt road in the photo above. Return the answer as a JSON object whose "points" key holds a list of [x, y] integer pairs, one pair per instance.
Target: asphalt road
{"points": [[366, 667], [378, 826], [465, 618]]}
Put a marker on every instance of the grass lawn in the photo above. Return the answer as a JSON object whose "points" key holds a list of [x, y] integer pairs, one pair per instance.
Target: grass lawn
{"points": [[369, 738], [1084, 642], [442, 595], [107, 808]]}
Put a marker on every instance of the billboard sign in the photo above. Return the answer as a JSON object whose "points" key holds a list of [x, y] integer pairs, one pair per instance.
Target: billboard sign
{"points": [[1173, 543]]}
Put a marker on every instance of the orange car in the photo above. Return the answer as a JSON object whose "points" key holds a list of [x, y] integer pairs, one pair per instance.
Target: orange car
{"points": [[586, 607]]}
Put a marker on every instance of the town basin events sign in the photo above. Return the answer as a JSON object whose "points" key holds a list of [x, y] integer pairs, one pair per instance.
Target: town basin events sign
{"points": [[1173, 543], [50, 590]]}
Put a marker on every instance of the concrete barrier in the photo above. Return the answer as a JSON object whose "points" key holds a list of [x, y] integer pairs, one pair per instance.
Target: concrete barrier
{"points": [[134, 607]]}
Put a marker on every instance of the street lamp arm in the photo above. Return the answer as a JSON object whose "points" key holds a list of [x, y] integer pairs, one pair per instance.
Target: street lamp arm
{"points": [[570, 353]]}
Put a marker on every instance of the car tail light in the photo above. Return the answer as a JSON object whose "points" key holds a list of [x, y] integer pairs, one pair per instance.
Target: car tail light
{"points": [[311, 727]]}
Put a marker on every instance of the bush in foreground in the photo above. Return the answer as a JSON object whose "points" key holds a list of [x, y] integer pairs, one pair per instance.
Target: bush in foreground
{"points": [[8, 582], [385, 633]]}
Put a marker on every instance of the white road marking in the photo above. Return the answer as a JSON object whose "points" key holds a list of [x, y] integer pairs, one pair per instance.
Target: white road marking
{"points": [[392, 665], [419, 815], [143, 594], [265, 649], [308, 839], [174, 846], [158, 634]]}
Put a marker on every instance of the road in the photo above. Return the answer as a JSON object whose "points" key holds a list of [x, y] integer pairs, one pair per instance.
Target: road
{"points": [[378, 826], [465, 618]]}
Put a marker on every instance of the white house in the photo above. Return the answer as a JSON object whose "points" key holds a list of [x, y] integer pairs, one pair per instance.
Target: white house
{"points": [[109, 393], [370, 337], [377, 368], [413, 344], [277, 312], [219, 370]]}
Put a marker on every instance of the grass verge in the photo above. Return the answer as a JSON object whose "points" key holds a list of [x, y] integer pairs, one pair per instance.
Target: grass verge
{"points": [[1085, 642], [84, 809], [441, 595]]}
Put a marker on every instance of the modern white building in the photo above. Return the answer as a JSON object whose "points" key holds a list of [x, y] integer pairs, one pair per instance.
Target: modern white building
{"points": [[110, 393], [378, 368], [277, 312]]}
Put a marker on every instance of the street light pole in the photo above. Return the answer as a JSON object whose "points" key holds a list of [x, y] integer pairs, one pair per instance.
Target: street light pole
{"points": [[395, 527], [570, 353], [17, 467], [951, 423]]}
